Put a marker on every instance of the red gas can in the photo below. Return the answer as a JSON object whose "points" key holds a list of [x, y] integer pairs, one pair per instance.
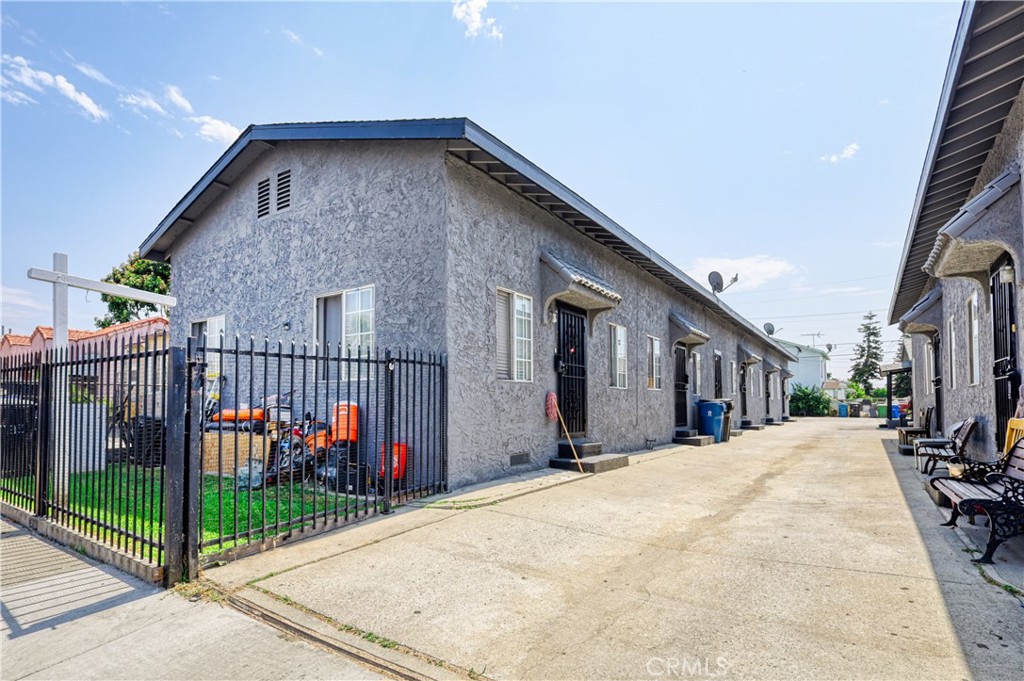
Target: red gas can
{"points": [[398, 460]]}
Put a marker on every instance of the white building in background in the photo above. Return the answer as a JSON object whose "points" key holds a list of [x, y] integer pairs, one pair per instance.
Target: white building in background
{"points": [[811, 368]]}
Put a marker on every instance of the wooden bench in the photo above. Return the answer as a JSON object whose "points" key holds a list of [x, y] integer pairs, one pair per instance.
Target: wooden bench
{"points": [[1000, 496], [933, 452], [907, 436]]}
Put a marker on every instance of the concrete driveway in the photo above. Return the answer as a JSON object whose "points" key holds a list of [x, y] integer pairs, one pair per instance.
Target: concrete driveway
{"points": [[787, 553]]}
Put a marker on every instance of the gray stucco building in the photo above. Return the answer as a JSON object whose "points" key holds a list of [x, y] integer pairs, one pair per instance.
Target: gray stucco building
{"points": [[435, 235], [958, 290]]}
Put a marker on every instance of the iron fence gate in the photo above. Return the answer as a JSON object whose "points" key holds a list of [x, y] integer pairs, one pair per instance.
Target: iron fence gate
{"points": [[130, 445]]}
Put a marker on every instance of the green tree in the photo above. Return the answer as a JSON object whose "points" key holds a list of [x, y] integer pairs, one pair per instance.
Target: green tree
{"points": [[808, 401], [855, 391], [867, 355], [146, 275]]}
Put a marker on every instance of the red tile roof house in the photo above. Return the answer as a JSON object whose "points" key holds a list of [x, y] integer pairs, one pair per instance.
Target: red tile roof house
{"points": [[41, 338]]}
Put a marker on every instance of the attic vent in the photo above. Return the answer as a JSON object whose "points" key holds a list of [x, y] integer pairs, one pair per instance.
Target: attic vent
{"points": [[263, 199], [284, 189]]}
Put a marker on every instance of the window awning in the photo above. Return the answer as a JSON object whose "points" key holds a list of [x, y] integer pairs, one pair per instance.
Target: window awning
{"points": [[985, 227], [746, 356], [569, 283], [771, 367], [685, 332], [925, 316]]}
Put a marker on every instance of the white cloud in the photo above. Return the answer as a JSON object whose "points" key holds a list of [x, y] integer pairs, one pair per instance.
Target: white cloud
{"points": [[296, 39], [214, 130], [19, 70], [175, 97], [883, 101], [140, 101], [755, 271], [21, 309], [84, 101], [848, 152], [470, 13], [94, 73], [16, 97]]}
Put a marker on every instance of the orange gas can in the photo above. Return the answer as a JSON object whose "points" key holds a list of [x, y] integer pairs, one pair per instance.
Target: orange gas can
{"points": [[345, 425], [398, 460]]}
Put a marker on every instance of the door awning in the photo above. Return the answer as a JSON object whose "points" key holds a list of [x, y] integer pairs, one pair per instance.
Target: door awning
{"points": [[770, 367], [568, 283], [925, 316], [684, 332], [787, 374], [985, 227], [746, 356]]}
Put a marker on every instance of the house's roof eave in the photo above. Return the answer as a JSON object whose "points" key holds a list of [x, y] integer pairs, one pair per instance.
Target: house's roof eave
{"points": [[983, 78], [477, 147]]}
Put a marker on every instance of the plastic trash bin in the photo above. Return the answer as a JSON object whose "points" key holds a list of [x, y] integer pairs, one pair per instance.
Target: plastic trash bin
{"points": [[711, 418], [895, 412], [844, 410], [855, 410], [727, 420]]}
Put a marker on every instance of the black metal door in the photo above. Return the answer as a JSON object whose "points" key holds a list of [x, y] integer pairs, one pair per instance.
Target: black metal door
{"points": [[682, 383], [767, 394], [719, 389], [743, 391], [571, 366], [937, 381], [1004, 327]]}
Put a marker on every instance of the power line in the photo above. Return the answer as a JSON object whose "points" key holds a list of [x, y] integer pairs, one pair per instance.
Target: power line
{"points": [[809, 316]]}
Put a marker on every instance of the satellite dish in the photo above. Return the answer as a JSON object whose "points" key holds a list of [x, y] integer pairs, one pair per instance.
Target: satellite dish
{"points": [[828, 346], [716, 281], [769, 328]]}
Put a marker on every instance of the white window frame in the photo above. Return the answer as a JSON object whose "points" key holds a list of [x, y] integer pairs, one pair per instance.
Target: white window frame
{"points": [[929, 367], [213, 341], [618, 368], [654, 357], [520, 346], [365, 348], [698, 371], [951, 351], [973, 341], [734, 376]]}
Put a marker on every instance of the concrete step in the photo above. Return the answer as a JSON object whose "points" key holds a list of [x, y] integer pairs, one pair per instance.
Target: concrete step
{"points": [[752, 426], [735, 433], [686, 432], [695, 441], [583, 448], [598, 463]]}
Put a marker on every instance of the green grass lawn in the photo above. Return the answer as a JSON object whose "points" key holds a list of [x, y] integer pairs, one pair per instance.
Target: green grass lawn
{"points": [[131, 499]]}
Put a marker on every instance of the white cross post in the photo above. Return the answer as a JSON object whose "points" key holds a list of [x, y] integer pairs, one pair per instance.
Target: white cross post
{"points": [[61, 281]]}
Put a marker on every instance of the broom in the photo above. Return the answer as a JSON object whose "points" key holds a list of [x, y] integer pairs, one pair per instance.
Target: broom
{"points": [[552, 406]]}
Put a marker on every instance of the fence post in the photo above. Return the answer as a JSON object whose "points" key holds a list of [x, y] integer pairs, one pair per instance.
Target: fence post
{"points": [[42, 462], [181, 543], [388, 456], [444, 422]]}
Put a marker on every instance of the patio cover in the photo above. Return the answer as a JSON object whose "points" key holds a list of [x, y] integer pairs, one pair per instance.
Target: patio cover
{"points": [[746, 356], [684, 332], [569, 283], [980, 232], [925, 316]]}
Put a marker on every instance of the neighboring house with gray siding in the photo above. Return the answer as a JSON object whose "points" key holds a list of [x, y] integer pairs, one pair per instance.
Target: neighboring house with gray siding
{"points": [[958, 290], [435, 235]]}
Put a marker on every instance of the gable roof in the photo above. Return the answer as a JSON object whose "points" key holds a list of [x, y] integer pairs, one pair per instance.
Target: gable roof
{"points": [[77, 335], [469, 142], [16, 339], [802, 348], [983, 79]]}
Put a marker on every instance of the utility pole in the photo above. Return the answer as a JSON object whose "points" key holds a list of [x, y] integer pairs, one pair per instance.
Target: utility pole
{"points": [[813, 336]]}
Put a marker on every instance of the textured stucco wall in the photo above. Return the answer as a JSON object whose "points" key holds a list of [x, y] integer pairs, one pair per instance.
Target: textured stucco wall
{"points": [[494, 240], [362, 213]]}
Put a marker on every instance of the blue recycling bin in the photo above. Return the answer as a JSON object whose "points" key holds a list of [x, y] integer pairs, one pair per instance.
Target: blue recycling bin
{"points": [[895, 415], [711, 417], [844, 410]]}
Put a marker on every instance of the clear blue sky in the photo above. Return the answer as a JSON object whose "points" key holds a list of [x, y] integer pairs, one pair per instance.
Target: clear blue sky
{"points": [[796, 132]]}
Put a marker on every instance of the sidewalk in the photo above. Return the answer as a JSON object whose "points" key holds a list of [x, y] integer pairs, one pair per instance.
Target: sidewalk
{"points": [[66, 617], [789, 553]]}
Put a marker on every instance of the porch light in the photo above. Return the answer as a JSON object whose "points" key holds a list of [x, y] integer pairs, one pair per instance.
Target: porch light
{"points": [[1006, 274]]}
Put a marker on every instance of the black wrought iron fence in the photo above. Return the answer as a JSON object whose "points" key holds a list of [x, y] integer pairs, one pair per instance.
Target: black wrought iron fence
{"points": [[179, 456], [83, 440], [294, 439]]}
